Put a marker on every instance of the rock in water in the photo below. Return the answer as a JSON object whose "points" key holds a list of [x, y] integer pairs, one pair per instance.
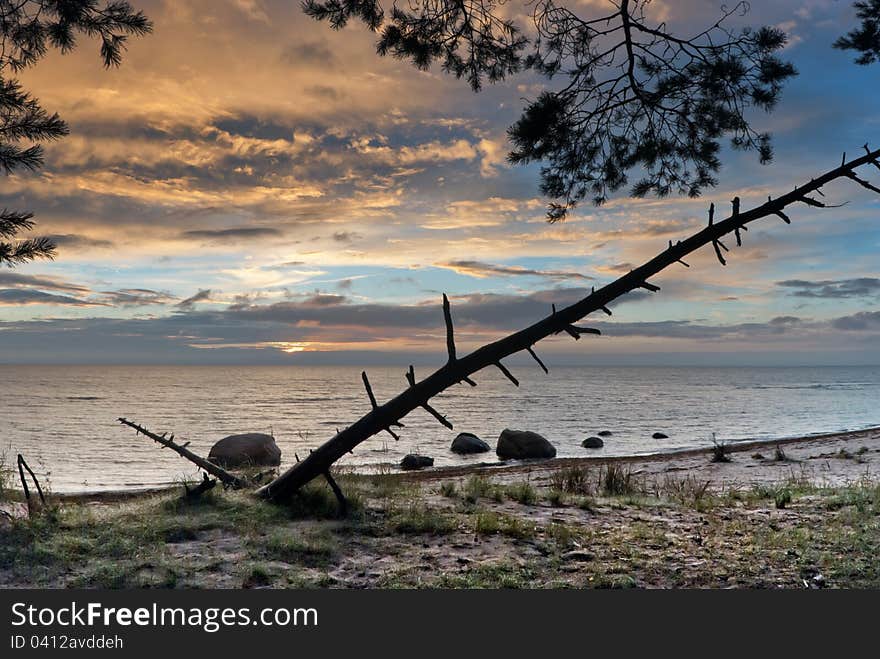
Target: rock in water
{"points": [[248, 449], [412, 462], [593, 442], [523, 444], [605, 433], [467, 442], [659, 435]]}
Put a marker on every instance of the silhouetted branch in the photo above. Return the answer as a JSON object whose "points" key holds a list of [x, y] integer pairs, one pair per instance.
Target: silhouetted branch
{"points": [[225, 477], [22, 465], [531, 351], [340, 497], [450, 336], [442, 419]]}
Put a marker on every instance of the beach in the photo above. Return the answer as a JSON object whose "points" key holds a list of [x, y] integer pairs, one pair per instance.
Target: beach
{"points": [[799, 513]]}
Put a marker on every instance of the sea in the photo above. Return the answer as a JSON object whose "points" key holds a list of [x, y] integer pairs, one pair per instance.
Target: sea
{"points": [[63, 419]]}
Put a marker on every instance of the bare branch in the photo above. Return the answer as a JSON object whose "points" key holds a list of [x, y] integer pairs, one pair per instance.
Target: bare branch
{"points": [[450, 337]]}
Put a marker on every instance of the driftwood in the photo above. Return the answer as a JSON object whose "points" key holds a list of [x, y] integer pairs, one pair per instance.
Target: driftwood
{"points": [[22, 466], [229, 480], [418, 394], [200, 489]]}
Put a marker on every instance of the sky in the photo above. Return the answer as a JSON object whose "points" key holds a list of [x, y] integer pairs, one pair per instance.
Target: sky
{"points": [[252, 187]]}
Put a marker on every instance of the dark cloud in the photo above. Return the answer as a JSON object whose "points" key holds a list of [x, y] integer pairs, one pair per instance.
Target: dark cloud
{"points": [[231, 235], [19, 296], [45, 282], [841, 288], [859, 322], [345, 236], [246, 327], [313, 53], [323, 91], [325, 300], [74, 241], [481, 269], [190, 302], [136, 297]]}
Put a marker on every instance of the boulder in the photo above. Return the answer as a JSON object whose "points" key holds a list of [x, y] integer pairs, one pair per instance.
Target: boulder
{"points": [[248, 449], [467, 442], [659, 435], [593, 442], [523, 444], [412, 462], [605, 433]]}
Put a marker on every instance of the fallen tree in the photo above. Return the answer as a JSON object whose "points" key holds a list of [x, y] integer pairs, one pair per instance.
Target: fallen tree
{"points": [[229, 480], [460, 369], [382, 418]]}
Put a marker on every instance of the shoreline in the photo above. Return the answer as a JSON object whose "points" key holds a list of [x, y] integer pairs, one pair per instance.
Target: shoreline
{"points": [[510, 468]]}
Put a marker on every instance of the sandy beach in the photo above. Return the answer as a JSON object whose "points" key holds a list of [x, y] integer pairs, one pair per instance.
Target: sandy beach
{"points": [[794, 513]]}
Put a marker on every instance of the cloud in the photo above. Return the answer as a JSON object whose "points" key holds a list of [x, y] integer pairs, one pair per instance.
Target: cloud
{"points": [[68, 241], [483, 270], [315, 53], [231, 235], [190, 302], [44, 282], [19, 297], [828, 288], [345, 236], [136, 297], [859, 322]]}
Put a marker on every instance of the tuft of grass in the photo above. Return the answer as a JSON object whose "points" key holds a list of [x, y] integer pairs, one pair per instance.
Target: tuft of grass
{"points": [[477, 487], [616, 480], [686, 491], [574, 480], [316, 500], [782, 497], [420, 519], [561, 534], [449, 489], [5, 476], [522, 493], [257, 576], [556, 498], [488, 522], [587, 503], [311, 549]]}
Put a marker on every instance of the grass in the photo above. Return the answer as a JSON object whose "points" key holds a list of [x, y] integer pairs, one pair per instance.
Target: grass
{"points": [[616, 480], [477, 487], [449, 489], [688, 491], [316, 548], [522, 493], [5, 477], [556, 498], [490, 523], [573, 480], [418, 518], [668, 532]]}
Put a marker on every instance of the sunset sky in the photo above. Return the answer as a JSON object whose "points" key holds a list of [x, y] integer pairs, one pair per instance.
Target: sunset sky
{"points": [[253, 187]]}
